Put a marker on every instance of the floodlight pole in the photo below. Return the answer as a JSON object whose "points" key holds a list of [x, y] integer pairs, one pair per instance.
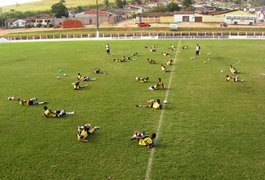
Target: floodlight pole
{"points": [[97, 32]]}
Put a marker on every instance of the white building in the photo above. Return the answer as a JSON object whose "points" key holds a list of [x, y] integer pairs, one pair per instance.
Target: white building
{"points": [[184, 16], [15, 23]]}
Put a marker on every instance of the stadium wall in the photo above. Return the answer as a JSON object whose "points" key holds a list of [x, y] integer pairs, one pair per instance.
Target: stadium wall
{"points": [[136, 36]]}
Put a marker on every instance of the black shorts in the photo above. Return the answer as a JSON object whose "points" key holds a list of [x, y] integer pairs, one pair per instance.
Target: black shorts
{"points": [[197, 52], [31, 102]]}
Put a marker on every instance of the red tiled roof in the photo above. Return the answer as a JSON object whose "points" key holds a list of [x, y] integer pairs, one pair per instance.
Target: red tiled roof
{"points": [[183, 12], [94, 12], [159, 14]]}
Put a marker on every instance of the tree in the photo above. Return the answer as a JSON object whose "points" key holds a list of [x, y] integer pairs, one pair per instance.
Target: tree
{"points": [[59, 9], [171, 7], [160, 8], [136, 2], [120, 3], [187, 4], [106, 4]]}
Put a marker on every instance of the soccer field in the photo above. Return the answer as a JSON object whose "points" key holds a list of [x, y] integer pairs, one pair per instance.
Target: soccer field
{"points": [[209, 129]]}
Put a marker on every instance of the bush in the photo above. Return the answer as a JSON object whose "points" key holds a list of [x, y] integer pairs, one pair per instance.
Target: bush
{"points": [[50, 25], [39, 25], [28, 26]]}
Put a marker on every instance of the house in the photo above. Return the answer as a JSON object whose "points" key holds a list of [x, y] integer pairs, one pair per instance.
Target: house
{"points": [[15, 23], [210, 16], [42, 20], [89, 17], [184, 16], [155, 17], [134, 9]]}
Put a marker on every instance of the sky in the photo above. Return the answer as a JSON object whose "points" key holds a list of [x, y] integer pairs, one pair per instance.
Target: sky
{"points": [[13, 2]]}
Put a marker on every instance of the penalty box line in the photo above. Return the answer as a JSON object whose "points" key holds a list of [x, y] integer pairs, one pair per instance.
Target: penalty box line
{"points": [[161, 118]]}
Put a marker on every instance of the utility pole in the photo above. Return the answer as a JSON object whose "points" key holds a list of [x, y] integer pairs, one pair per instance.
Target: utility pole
{"points": [[97, 32], [2, 18]]}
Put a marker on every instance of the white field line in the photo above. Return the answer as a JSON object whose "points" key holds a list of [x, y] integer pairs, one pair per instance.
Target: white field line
{"points": [[161, 118]]}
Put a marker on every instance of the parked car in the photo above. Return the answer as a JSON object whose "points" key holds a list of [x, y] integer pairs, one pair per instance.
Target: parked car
{"points": [[223, 24], [142, 24]]}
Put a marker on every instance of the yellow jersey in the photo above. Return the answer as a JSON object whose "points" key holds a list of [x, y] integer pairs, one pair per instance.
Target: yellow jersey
{"points": [[80, 78], [84, 134], [156, 105], [50, 114], [147, 141]]}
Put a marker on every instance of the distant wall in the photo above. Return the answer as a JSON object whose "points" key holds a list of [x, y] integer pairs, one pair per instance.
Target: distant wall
{"points": [[72, 24]]}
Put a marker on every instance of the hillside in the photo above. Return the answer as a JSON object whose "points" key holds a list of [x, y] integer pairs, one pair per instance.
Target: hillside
{"points": [[46, 5]]}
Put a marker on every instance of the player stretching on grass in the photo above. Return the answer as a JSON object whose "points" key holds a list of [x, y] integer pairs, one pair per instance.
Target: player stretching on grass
{"points": [[80, 77], [55, 114], [29, 102], [158, 85], [84, 131], [235, 79], [152, 104], [233, 70], [142, 80], [77, 85], [144, 140], [163, 68]]}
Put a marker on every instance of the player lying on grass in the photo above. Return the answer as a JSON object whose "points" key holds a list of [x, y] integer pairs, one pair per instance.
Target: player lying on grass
{"points": [[123, 59], [144, 140], [55, 114], [141, 79], [158, 85], [152, 104], [165, 54], [235, 79], [152, 49], [80, 77], [172, 47], [128, 58], [163, 68], [184, 47], [84, 131], [151, 61], [233, 70], [77, 85], [97, 70], [169, 62], [29, 102]]}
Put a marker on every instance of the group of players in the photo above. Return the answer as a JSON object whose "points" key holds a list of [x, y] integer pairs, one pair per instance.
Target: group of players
{"points": [[143, 139], [82, 131], [235, 72]]}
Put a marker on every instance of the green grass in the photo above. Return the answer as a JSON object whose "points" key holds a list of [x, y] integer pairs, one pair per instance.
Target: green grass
{"points": [[211, 129]]}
